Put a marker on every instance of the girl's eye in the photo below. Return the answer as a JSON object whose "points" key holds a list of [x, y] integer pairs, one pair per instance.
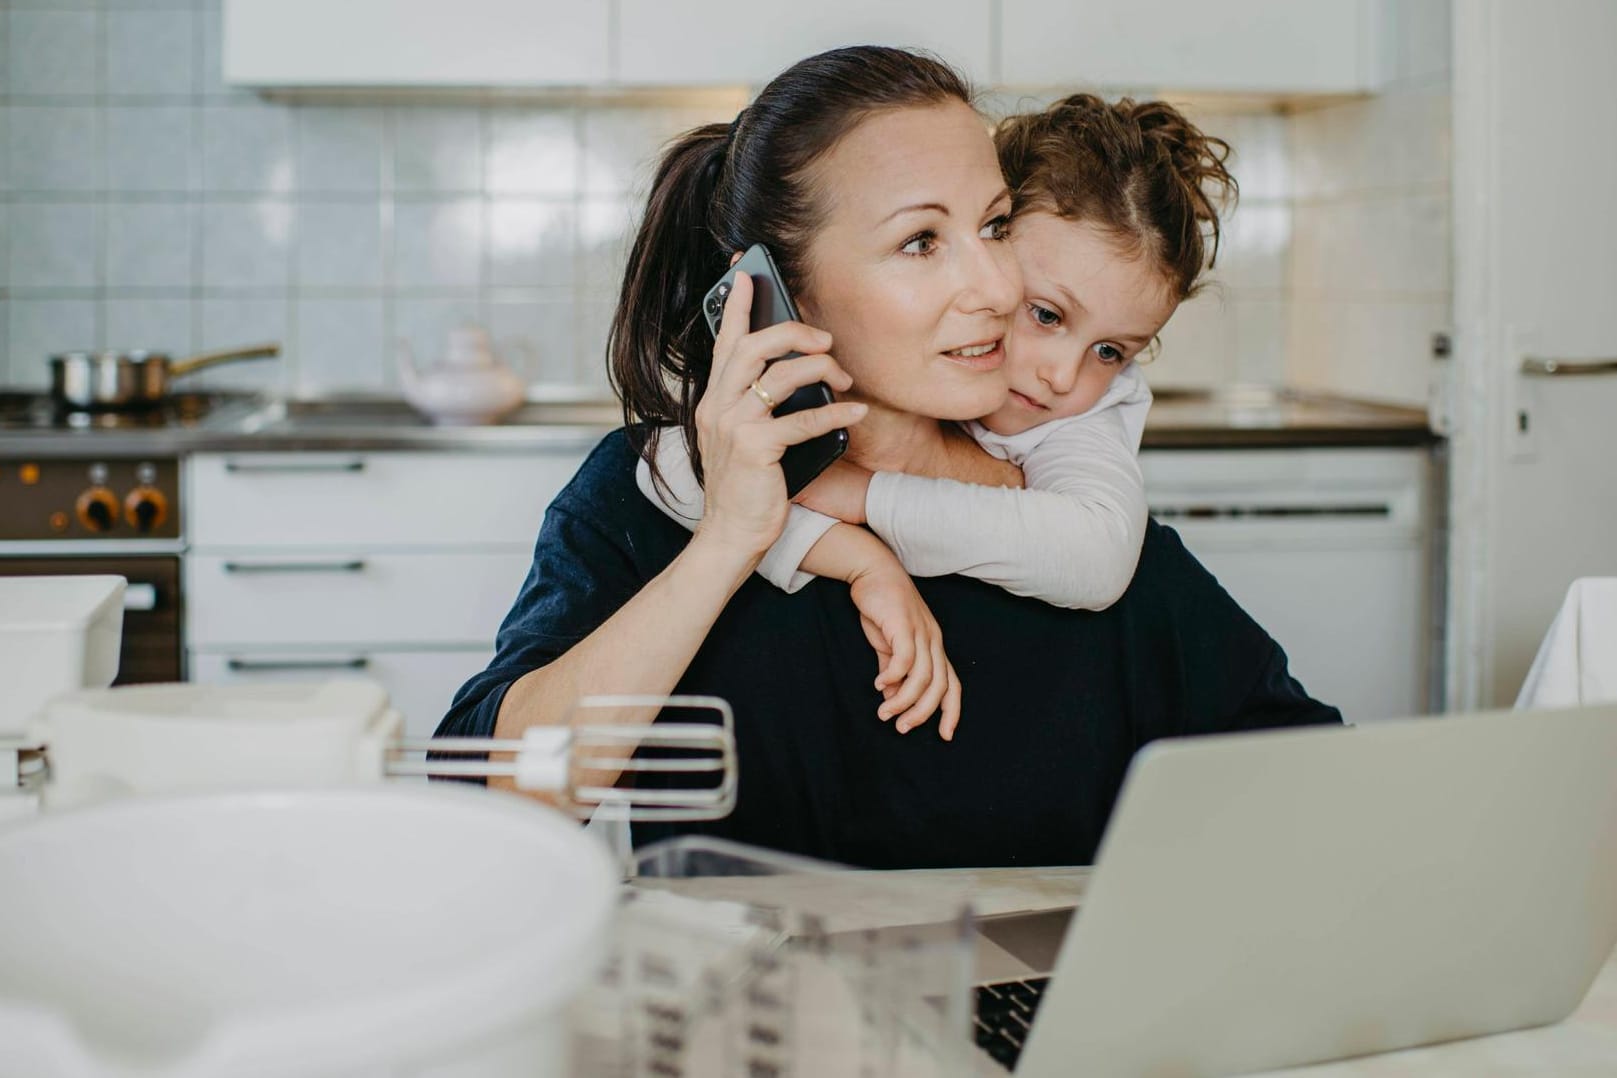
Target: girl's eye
{"points": [[920, 244], [1109, 353], [997, 229], [1044, 316]]}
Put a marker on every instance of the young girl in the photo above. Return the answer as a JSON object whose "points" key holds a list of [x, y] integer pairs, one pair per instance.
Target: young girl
{"points": [[1111, 203]]}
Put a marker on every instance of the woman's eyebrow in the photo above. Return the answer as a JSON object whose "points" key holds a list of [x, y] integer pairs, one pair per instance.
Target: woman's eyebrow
{"points": [[1004, 193], [917, 208]]}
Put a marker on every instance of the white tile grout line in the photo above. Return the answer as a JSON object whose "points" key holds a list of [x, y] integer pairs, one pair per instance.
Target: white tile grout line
{"points": [[385, 239], [98, 330]]}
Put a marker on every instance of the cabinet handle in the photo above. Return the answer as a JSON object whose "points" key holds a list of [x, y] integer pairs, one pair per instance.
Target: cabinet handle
{"points": [[278, 467], [355, 566], [247, 666], [1541, 367]]}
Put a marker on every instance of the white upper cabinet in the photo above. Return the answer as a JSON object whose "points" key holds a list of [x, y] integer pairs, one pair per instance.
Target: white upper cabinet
{"points": [[1244, 46], [470, 43], [1279, 47], [694, 42]]}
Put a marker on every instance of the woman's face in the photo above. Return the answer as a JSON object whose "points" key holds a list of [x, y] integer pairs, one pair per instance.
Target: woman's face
{"points": [[910, 272], [1087, 309]]}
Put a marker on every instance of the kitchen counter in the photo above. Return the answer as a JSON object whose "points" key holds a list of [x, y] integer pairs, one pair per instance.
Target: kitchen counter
{"points": [[1584, 1044], [1246, 417], [1231, 418]]}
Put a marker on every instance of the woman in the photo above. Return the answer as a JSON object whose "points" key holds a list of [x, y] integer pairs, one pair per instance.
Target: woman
{"points": [[877, 189]]}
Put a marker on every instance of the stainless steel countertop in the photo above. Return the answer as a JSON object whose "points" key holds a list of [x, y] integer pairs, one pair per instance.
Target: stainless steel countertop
{"points": [[1233, 417], [335, 424], [1245, 417]]}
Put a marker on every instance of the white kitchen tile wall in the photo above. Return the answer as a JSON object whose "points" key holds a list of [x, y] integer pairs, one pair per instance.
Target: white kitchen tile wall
{"points": [[55, 149], [156, 324], [339, 245], [153, 149], [1370, 279], [144, 203], [53, 52], [151, 52], [149, 245]]}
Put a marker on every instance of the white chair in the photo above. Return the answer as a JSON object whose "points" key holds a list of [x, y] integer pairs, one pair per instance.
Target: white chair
{"points": [[1577, 662]]}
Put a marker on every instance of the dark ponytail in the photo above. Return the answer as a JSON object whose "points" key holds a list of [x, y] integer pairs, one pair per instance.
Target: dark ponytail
{"points": [[1140, 170], [723, 187], [658, 315]]}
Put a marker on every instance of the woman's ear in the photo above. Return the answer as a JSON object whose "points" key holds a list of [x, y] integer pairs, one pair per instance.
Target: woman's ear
{"points": [[736, 257]]}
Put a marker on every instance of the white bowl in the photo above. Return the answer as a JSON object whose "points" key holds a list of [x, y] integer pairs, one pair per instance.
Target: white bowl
{"points": [[387, 929]]}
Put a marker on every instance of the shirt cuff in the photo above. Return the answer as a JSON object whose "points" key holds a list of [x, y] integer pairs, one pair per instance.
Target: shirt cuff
{"points": [[804, 528]]}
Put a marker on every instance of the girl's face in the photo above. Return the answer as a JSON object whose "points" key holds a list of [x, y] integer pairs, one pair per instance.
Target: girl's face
{"points": [[1087, 310], [910, 272]]}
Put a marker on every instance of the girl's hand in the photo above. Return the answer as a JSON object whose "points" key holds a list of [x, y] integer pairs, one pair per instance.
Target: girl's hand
{"points": [[916, 677], [839, 492], [741, 442]]}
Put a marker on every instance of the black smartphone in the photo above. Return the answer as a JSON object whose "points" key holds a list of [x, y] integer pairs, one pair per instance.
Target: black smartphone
{"points": [[772, 304]]}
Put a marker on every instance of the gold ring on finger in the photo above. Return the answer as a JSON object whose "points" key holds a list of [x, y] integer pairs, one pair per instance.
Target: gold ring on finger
{"points": [[769, 402]]}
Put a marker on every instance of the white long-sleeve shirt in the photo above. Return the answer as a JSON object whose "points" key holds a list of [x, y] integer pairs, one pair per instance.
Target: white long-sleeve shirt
{"points": [[1071, 538]]}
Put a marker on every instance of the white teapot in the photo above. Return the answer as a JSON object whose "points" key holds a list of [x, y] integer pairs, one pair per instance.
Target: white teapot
{"points": [[471, 386]]}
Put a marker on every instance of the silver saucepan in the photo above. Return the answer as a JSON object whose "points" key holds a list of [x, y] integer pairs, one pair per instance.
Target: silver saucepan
{"points": [[110, 381]]}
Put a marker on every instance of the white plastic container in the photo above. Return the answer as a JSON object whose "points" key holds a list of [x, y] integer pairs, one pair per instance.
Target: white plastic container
{"points": [[57, 633], [405, 931], [177, 738]]}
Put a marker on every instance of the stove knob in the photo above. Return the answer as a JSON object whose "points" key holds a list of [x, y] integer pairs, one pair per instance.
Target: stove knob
{"points": [[145, 509], [98, 509]]}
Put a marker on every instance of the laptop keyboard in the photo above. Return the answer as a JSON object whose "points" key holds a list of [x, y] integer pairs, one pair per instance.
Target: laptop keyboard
{"points": [[1005, 1015]]}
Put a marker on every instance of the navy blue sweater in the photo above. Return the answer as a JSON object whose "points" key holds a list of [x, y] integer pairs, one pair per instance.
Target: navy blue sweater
{"points": [[1055, 701]]}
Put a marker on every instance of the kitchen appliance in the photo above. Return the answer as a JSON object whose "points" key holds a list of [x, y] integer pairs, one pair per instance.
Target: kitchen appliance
{"points": [[84, 493], [178, 738], [95, 381]]}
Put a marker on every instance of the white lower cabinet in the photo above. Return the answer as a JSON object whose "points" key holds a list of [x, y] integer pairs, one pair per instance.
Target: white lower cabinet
{"points": [[397, 566], [346, 598], [420, 684]]}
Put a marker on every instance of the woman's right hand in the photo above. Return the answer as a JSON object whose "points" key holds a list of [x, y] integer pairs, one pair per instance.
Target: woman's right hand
{"points": [[741, 442]]}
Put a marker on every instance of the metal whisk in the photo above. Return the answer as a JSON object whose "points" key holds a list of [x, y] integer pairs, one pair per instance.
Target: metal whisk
{"points": [[691, 765]]}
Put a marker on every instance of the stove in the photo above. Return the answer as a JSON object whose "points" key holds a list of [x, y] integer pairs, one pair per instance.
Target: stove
{"points": [[32, 411], [91, 492]]}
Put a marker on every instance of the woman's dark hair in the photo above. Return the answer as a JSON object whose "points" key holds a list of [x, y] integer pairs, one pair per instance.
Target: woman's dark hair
{"points": [[1140, 170], [724, 187]]}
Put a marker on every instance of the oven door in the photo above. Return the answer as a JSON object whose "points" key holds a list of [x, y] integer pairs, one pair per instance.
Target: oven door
{"points": [[152, 648]]}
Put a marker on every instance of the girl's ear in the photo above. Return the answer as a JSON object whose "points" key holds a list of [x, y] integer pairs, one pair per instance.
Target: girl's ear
{"points": [[736, 257]]}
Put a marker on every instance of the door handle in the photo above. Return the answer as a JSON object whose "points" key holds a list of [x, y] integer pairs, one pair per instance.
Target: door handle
{"points": [[355, 566], [1542, 367]]}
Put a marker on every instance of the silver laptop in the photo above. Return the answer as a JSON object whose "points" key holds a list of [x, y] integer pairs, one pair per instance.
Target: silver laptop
{"points": [[1280, 898]]}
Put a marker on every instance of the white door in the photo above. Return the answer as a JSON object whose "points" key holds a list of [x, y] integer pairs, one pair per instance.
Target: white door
{"points": [[1535, 203]]}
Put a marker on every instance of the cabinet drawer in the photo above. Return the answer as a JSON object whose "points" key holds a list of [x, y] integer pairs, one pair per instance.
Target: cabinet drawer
{"points": [[343, 599], [419, 683], [372, 499]]}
